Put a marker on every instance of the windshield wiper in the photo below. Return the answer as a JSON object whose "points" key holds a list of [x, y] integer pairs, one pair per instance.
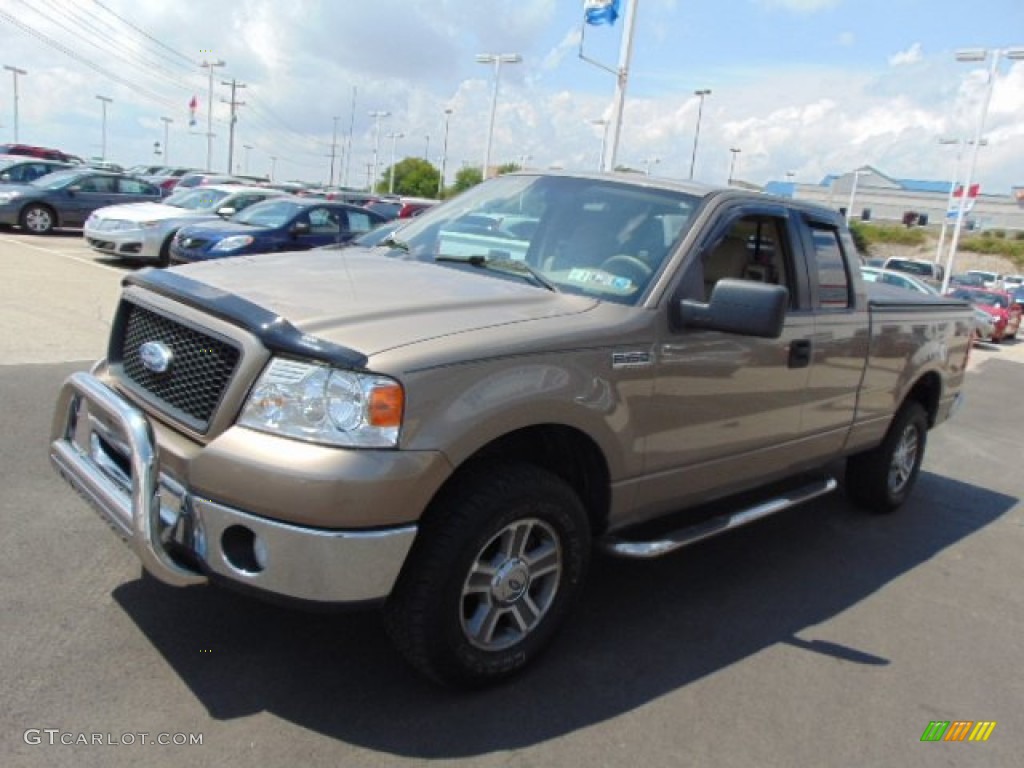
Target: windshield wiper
{"points": [[505, 266]]}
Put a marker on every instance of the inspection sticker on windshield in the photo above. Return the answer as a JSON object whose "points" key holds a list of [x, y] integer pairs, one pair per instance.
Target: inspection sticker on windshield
{"points": [[578, 275]]}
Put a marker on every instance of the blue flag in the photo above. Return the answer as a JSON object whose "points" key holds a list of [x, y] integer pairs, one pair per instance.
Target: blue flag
{"points": [[599, 12]]}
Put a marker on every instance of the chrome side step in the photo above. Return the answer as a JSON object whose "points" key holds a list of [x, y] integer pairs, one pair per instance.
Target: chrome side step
{"points": [[716, 525]]}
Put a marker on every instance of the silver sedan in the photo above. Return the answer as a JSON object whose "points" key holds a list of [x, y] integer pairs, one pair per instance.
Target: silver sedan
{"points": [[144, 231]]}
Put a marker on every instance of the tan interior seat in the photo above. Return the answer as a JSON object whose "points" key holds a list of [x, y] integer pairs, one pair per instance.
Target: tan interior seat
{"points": [[729, 258]]}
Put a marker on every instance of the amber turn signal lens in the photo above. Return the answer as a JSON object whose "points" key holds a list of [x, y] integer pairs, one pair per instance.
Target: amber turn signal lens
{"points": [[386, 406]]}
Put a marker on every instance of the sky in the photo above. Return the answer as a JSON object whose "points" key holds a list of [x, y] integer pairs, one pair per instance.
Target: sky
{"points": [[802, 88]]}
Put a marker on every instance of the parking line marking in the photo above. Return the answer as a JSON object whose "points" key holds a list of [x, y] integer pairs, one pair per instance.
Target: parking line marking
{"points": [[79, 259]]}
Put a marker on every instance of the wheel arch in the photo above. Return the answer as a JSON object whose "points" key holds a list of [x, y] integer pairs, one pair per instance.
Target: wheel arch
{"points": [[40, 204], [927, 391], [565, 451]]}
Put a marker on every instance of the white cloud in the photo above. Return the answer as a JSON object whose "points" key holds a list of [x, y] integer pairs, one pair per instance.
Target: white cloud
{"points": [[800, 6], [302, 60], [910, 56], [569, 43]]}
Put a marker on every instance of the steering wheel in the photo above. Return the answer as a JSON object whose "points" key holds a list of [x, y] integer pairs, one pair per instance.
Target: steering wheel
{"points": [[636, 269]]}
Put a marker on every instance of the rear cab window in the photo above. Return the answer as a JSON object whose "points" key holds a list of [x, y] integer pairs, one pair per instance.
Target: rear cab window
{"points": [[829, 263]]}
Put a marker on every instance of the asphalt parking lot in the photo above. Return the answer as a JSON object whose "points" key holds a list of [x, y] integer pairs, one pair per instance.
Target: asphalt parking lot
{"points": [[820, 637]]}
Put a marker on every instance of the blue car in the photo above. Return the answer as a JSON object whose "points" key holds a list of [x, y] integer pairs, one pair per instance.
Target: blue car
{"points": [[280, 224]]}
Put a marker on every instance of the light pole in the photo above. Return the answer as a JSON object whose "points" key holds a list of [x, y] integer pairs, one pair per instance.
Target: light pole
{"points": [[972, 55], [853, 193], [348, 139], [167, 148], [952, 191], [103, 147], [156, 149], [376, 115], [394, 144], [426, 149], [334, 149], [444, 155], [732, 164], [647, 164], [14, 73], [210, 65], [523, 160], [273, 166], [604, 139], [696, 134], [234, 104], [246, 147], [497, 59]]}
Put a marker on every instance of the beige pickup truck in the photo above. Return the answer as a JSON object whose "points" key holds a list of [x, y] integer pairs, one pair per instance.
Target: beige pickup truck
{"points": [[450, 422]]}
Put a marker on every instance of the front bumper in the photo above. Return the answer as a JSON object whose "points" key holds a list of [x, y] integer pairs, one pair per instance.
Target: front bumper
{"points": [[136, 243], [104, 447]]}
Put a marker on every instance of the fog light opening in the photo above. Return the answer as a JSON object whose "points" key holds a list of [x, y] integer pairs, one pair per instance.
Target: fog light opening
{"points": [[240, 546]]}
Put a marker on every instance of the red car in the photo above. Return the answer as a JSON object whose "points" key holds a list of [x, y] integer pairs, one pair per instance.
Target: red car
{"points": [[42, 152], [999, 304]]}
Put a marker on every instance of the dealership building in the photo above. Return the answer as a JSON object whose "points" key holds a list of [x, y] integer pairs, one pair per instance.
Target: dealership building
{"points": [[878, 197]]}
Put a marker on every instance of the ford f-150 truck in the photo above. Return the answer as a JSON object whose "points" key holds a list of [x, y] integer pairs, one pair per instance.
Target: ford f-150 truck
{"points": [[451, 422]]}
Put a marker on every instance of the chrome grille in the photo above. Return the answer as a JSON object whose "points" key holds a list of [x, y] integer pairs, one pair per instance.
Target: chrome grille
{"points": [[200, 370]]}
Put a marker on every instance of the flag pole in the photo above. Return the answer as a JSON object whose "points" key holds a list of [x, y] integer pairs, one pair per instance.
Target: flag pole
{"points": [[622, 80]]}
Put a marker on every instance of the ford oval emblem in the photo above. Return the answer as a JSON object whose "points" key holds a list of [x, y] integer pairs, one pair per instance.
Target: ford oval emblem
{"points": [[156, 356]]}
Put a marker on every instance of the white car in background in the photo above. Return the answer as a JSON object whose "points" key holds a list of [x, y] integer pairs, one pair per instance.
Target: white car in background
{"points": [[143, 231], [1012, 281], [993, 280]]}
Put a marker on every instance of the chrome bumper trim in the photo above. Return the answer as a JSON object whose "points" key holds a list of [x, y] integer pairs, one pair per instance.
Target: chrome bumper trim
{"points": [[148, 509], [306, 563]]}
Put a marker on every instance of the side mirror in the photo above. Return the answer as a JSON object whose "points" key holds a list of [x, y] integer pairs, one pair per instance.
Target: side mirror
{"points": [[300, 228], [226, 211], [742, 307]]}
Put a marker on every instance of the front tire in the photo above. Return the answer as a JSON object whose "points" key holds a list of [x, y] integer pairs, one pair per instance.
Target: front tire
{"points": [[881, 479], [164, 257], [38, 219], [500, 558]]}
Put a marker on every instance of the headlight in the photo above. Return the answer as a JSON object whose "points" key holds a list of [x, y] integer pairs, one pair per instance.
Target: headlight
{"points": [[6, 197], [325, 405], [232, 243]]}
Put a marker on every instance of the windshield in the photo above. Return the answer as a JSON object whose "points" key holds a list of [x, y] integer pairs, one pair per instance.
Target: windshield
{"points": [[196, 199], [595, 237], [270, 213], [913, 267]]}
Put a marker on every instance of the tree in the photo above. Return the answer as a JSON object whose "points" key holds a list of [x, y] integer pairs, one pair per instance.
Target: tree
{"points": [[464, 179], [508, 168], [860, 239], [414, 176]]}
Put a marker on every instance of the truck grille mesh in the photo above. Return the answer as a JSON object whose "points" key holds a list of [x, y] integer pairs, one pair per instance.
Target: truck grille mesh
{"points": [[200, 371]]}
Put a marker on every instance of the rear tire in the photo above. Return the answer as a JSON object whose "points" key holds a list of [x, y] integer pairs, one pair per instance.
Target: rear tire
{"points": [[881, 479], [498, 562]]}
